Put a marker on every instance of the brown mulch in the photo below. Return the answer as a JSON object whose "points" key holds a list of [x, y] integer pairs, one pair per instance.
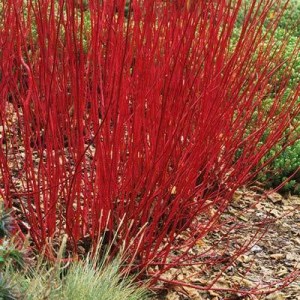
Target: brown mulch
{"points": [[274, 256]]}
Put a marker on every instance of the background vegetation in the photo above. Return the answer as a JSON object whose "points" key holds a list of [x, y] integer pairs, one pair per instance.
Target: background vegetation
{"points": [[288, 162]]}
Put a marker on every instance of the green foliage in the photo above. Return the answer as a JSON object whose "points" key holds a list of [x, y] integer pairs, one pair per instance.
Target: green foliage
{"points": [[6, 223], [290, 20], [282, 168], [80, 280], [77, 281], [288, 161], [9, 253], [9, 256], [7, 291], [90, 279]]}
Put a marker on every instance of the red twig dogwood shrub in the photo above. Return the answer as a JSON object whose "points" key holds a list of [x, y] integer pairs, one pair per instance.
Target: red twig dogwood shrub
{"points": [[135, 118]]}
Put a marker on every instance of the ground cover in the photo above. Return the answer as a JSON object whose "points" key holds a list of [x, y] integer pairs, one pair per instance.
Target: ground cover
{"points": [[274, 258]]}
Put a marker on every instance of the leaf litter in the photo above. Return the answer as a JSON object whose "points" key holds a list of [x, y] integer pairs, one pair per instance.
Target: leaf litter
{"points": [[272, 261]]}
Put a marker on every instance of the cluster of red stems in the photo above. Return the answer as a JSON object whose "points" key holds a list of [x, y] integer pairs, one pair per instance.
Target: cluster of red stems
{"points": [[134, 118]]}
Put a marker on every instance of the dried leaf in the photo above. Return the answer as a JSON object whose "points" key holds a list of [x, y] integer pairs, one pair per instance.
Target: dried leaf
{"points": [[172, 295], [276, 213], [277, 256], [292, 256], [296, 240], [242, 281], [193, 294], [275, 197], [244, 258], [282, 271], [275, 296], [237, 196], [201, 243]]}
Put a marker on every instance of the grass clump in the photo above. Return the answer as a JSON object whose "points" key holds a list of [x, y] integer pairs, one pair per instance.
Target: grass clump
{"points": [[80, 280], [95, 277], [84, 279]]}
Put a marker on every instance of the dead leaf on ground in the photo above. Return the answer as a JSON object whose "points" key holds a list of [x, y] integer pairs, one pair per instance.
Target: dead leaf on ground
{"points": [[276, 213], [277, 256], [276, 296], [293, 256], [275, 197], [172, 295]]}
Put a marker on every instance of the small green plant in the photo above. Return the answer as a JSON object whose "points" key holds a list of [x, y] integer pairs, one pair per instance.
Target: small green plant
{"points": [[6, 224], [288, 162], [8, 251], [93, 278], [79, 280], [10, 257], [284, 166], [7, 291], [290, 20]]}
